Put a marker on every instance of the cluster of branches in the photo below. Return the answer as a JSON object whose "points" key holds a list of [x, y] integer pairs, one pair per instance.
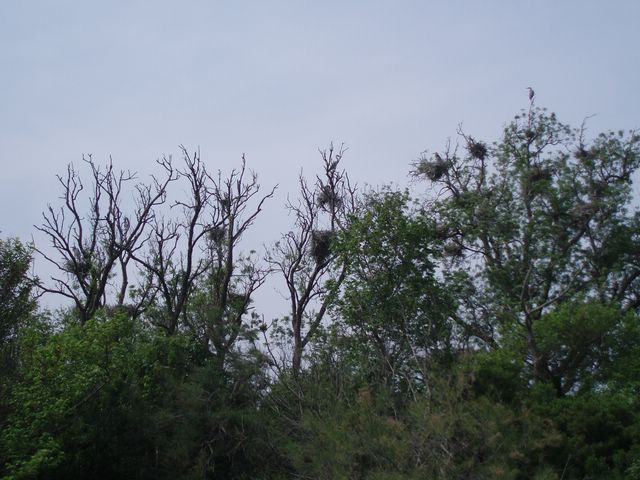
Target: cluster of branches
{"points": [[542, 218], [91, 247], [190, 272], [537, 220], [173, 253], [304, 257], [521, 271]]}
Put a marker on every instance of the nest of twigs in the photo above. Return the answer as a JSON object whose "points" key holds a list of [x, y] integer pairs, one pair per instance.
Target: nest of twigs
{"points": [[477, 149], [582, 153], [585, 211], [79, 269], [321, 244], [225, 202], [443, 231], [434, 169], [80, 265], [453, 249], [539, 174], [327, 198], [216, 234]]}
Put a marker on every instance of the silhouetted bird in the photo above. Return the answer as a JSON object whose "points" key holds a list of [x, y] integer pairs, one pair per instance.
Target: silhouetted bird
{"points": [[531, 93]]}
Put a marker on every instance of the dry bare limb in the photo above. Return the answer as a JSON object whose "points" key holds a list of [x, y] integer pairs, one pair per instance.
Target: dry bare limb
{"points": [[303, 256], [90, 246]]}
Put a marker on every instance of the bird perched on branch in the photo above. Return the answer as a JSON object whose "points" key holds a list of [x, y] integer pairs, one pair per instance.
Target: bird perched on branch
{"points": [[531, 93]]}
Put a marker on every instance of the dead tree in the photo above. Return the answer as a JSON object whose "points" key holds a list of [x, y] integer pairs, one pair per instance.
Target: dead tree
{"points": [[303, 256], [197, 250], [171, 264], [233, 277], [90, 246]]}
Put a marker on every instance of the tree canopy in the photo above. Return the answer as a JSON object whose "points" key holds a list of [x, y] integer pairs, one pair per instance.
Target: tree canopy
{"points": [[485, 328]]}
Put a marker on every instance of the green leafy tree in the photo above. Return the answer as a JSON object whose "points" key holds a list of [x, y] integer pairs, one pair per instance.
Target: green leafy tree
{"points": [[542, 245], [16, 287], [391, 300], [201, 422], [539, 218], [17, 308], [111, 399], [344, 428], [75, 406]]}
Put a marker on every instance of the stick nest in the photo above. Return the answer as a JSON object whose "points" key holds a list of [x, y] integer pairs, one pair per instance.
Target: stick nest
{"points": [[434, 170], [321, 244]]}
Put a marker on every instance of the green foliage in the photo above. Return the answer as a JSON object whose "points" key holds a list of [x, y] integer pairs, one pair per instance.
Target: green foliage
{"points": [[490, 332], [16, 298], [391, 299], [110, 400], [17, 307], [17, 310], [206, 423], [457, 437], [73, 408], [335, 429], [600, 432], [582, 343], [535, 227]]}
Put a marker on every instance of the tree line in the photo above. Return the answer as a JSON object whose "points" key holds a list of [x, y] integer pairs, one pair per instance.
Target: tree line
{"points": [[487, 328]]}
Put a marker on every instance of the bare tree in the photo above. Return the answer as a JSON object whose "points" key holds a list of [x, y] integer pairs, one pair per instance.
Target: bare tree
{"points": [[233, 277], [303, 256], [91, 246], [198, 250], [171, 264]]}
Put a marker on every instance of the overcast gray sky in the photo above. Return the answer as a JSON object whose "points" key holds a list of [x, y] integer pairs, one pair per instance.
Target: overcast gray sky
{"points": [[278, 79]]}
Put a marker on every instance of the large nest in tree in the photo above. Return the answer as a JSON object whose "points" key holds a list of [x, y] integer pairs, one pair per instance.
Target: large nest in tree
{"points": [[216, 234], [582, 153], [225, 202], [598, 187], [477, 149], [327, 198], [540, 174], [453, 249], [321, 244], [80, 269], [435, 169], [443, 231], [81, 264]]}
